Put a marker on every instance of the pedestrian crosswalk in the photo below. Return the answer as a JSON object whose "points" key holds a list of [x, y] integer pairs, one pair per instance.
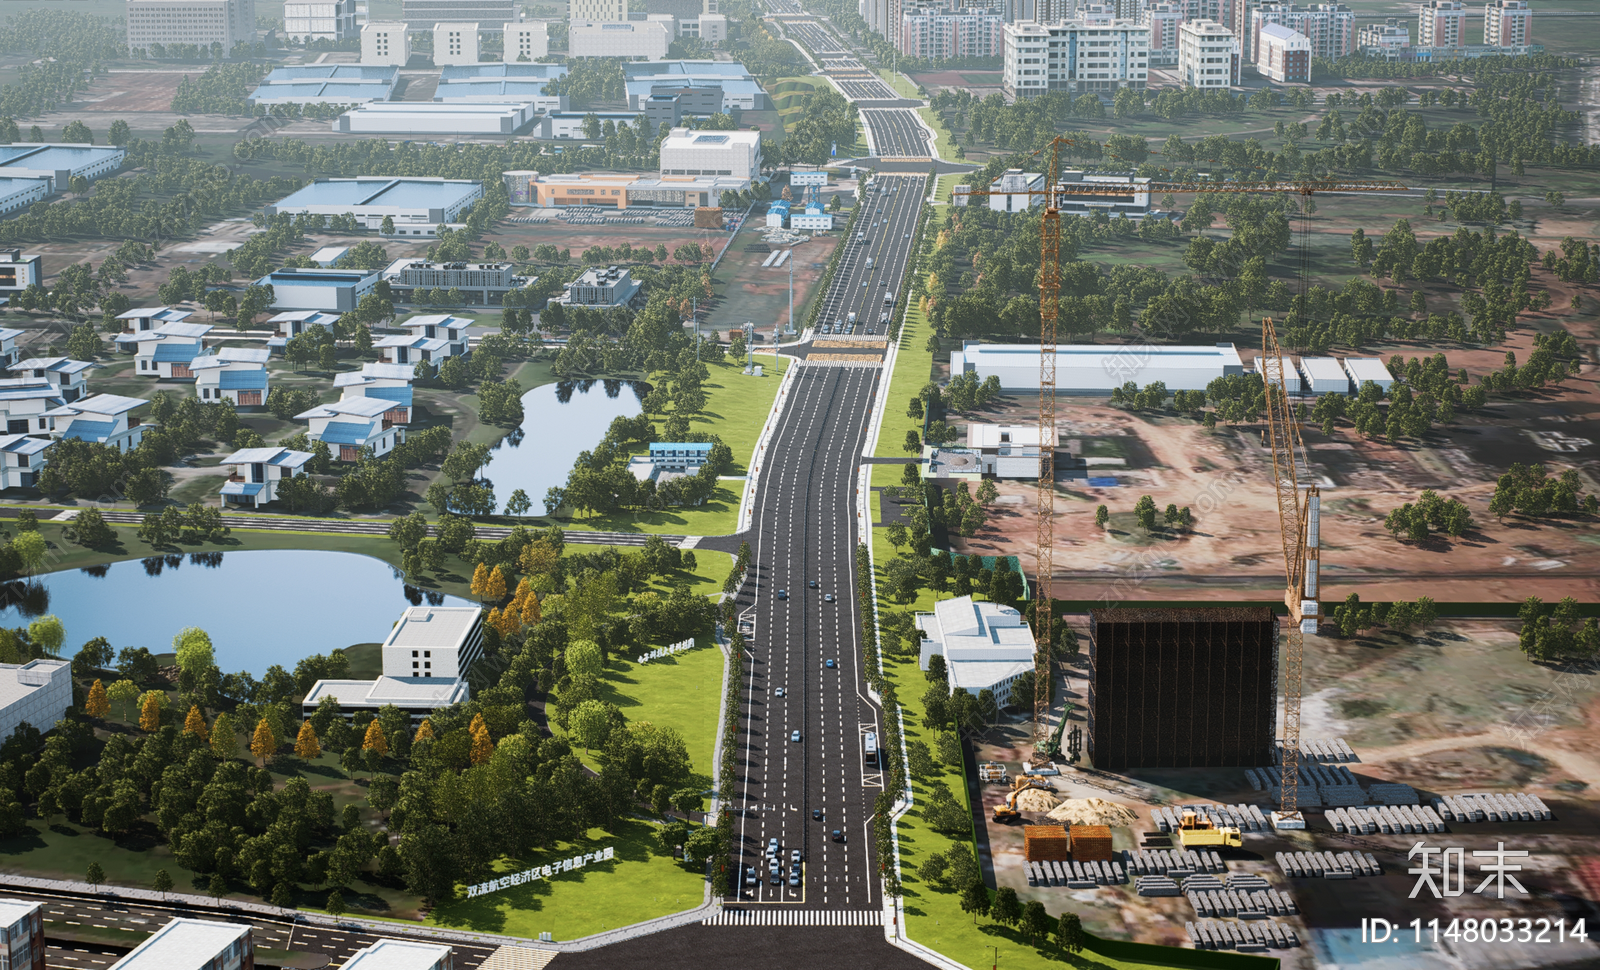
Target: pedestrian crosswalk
{"points": [[787, 916]]}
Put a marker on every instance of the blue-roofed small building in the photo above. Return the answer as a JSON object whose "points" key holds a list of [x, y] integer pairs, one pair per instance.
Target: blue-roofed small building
{"points": [[350, 425], [388, 382], [292, 323], [777, 214], [326, 84], [814, 218], [23, 402], [58, 162], [106, 419], [418, 206], [236, 374], [21, 457], [315, 288], [431, 337], [142, 319], [165, 352], [69, 377], [254, 474]]}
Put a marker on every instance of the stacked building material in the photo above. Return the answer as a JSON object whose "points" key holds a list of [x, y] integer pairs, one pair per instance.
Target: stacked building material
{"points": [[1398, 818], [1156, 886], [1493, 807], [1306, 797], [1046, 842], [1328, 865], [1392, 793], [1321, 751], [1253, 936], [1172, 862], [1090, 843], [1078, 877]]}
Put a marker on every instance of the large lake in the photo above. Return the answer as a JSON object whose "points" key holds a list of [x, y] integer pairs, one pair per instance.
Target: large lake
{"points": [[261, 607], [559, 422]]}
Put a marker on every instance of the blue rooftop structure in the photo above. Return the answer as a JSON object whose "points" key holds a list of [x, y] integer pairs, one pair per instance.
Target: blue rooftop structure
{"points": [[454, 73], [420, 193], [396, 395], [243, 488], [242, 380], [91, 430], [326, 84], [491, 89], [346, 433], [331, 72], [635, 69], [59, 162]]}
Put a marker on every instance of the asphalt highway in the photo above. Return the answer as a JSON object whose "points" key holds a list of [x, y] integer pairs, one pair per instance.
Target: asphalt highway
{"points": [[804, 532], [812, 35], [896, 132]]}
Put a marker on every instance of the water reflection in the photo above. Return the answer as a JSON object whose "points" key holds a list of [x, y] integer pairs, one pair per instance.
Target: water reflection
{"points": [[554, 438]]}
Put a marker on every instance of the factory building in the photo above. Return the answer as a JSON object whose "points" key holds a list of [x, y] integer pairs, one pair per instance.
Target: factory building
{"points": [[194, 944], [488, 282], [436, 118], [58, 163], [739, 89], [601, 286], [1360, 370], [985, 646], [455, 43], [325, 84], [1267, 367], [489, 14], [39, 692], [501, 83], [385, 43], [569, 124], [630, 40], [1094, 369], [328, 290], [1182, 688], [621, 190], [417, 206], [1016, 191], [153, 23], [1324, 375], [16, 193], [690, 152]]}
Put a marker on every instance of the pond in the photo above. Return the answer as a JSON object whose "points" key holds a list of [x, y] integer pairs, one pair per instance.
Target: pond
{"points": [[559, 422], [264, 607]]}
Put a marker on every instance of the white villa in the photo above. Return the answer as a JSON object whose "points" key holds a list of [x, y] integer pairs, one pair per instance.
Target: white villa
{"points": [[352, 424], [20, 460], [292, 323], [388, 382], [106, 419], [8, 346], [151, 317], [985, 646], [70, 377], [432, 337], [237, 374], [166, 352], [23, 402], [425, 662], [255, 473]]}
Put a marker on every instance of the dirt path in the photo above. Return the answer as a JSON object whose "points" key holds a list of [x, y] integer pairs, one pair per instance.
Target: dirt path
{"points": [[1575, 764]]}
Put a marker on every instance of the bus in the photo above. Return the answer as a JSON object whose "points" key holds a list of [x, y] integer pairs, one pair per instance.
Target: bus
{"points": [[870, 743]]}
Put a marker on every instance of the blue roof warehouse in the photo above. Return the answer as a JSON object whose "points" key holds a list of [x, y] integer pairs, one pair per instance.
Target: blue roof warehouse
{"points": [[418, 206], [333, 290], [58, 163], [326, 84]]}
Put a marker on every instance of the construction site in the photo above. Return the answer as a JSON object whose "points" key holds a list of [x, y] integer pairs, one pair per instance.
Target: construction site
{"points": [[1243, 778]]}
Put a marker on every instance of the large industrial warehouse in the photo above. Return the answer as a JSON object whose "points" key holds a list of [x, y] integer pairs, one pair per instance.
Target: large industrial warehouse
{"points": [[431, 118], [418, 206], [1095, 369], [58, 163], [326, 84]]}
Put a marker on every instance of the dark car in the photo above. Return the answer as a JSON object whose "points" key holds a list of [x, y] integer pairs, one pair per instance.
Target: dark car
{"points": [[838, 835], [783, 594], [814, 583], [816, 815]]}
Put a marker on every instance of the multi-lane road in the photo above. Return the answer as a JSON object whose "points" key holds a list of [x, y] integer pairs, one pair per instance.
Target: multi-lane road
{"points": [[803, 769], [896, 133]]}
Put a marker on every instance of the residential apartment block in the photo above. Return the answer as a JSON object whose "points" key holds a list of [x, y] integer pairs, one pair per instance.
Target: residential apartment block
{"points": [[1442, 23], [936, 31], [1507, 23], [1075, 57], [1208, 55], [320, 20], [1330, 27], [1386, 38], [1284, 55]]}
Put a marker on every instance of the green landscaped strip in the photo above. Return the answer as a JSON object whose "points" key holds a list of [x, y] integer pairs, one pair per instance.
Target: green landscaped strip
{"points": [[943, 146], [639, 884], [913, 368], [901, 84]]}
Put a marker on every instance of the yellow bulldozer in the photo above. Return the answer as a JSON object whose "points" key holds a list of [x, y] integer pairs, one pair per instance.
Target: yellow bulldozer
{"points": [[1007, 811], [1197, 830]]}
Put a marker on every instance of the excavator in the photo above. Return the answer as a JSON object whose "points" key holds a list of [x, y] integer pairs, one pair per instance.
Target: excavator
{"points": [[1197, 830], [1007, 811]]}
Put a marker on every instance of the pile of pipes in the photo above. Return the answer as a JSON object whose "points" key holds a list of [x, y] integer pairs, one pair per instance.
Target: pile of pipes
{"points": [[1245, 818], [1398, 818], [1171, 862], [1259, 904], [1323, 751], [675, 217], [1250, 937], [1076, 875], [1157, 886], [1392, 793], [1329, 865], [1491, 807]]}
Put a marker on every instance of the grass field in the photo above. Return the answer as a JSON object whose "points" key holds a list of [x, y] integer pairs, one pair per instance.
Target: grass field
{"points": [[912, 369], [639, 884], [737, 406], [943, 146]]}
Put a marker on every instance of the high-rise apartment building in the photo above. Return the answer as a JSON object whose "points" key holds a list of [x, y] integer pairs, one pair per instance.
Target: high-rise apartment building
{"points": [[1507, 23], [1075, 57], [1331, 27], [931, 31], [320, 20], [1386, 38], [1208, 55], [200, 22], [489, 14], [597, 11], [1442, 23]]}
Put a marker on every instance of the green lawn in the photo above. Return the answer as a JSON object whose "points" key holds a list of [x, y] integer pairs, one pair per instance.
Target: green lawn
{"points": [[902, 85], [913, 367], [639, 884], [719, 516], [737, 406], [943, 146]]}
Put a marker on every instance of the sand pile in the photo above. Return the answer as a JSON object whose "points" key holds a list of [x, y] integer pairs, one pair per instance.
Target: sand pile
{"points": [[1034, 800], [1093, 811]]}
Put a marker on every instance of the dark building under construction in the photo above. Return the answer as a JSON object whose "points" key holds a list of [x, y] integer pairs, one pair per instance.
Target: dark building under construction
{"points": [[1182, 688]]}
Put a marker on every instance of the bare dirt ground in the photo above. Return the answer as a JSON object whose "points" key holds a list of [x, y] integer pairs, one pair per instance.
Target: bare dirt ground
{"points": [[141, 98]]}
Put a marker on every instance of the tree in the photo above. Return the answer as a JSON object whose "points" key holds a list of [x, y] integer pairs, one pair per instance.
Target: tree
{"points": [[482, 746], [335, 904], [30, 548], [48, 633], [591, 723], [124, 692], [975, 900], [163, 881], [374, 739], [96, 704], [263, 743], [217, 887], [195, 723], [1069, 933], [1035, 923], [518, 504], [1006, 909], [193, 648], [94, 875], [306, 745], [584, 659], [150, 711], [1145, 510], [1102, 515], [913, 441], [224, 737]]}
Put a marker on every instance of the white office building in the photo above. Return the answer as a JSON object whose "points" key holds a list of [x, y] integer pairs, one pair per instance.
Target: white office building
{"points": [[194, 944], [1096, 369], [387, 954], [692, 152], [455, 43], [199, 22], [1208, 55], [1016, 191], [385, 43], [646, 40], [1075, 57], [1507, 23], [426, 658], [38, 692], [423, 118], [1442, 23], [597, 11], [333, 20], [985, 646], [526, 41]]}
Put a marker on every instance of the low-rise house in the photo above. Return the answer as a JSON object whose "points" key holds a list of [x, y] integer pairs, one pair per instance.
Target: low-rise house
{"points": [[352, 424], [8, 346], [106, 419], [388, 382], [237, 374], [432, 338], [39, 692], [69, 377], [20, 460], [151, 317], [166, 352], [425, 662], [23, 402], [292, 323], [254, 474]]}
